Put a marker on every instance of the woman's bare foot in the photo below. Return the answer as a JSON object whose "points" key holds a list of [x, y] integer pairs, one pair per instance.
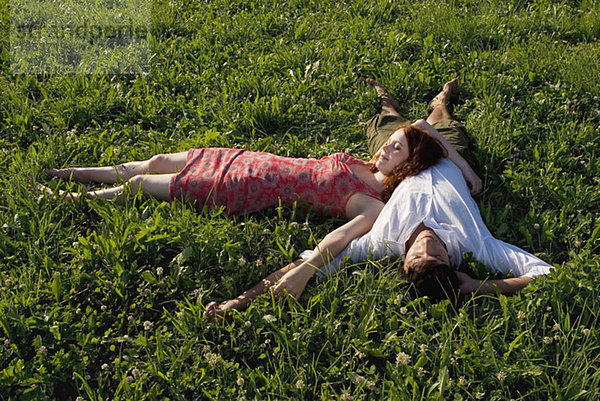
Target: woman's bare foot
{"points": [[386, 100], [75, 174], [443, 98], [72, 196], [216, 312]]}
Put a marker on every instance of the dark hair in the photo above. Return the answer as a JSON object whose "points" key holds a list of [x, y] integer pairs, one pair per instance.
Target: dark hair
{"points": [[436, 281], [423, 152]]}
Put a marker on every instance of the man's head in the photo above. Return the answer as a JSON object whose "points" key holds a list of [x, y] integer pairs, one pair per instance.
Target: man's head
{"points": [[427, 266]]}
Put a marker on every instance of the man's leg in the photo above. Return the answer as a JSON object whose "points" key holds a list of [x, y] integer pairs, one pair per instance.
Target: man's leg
{"points": [[384, 124], [454, 132]]}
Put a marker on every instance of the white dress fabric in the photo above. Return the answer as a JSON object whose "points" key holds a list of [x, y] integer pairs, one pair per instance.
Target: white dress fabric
{"points": [[439, 198]]}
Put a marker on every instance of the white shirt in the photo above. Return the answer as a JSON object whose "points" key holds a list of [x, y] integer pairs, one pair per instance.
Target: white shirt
{"points": [[439, 198]]}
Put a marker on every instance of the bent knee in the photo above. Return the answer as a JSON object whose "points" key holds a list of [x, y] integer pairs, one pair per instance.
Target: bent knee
{"points": [[134, 183]]}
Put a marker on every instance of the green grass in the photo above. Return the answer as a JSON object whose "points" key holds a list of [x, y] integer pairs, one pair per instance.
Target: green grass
{"points": [[104, 301]]}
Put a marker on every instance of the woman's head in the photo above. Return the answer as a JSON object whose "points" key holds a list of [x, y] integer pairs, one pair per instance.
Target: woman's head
{"points": [[408, 151]]}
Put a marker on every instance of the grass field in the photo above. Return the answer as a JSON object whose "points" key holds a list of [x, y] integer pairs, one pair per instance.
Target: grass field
{"points": [[104, 301]]}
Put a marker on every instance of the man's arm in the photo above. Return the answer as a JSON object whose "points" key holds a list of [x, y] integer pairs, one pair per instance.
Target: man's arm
{"points": [[453, 155], [468, 284]]}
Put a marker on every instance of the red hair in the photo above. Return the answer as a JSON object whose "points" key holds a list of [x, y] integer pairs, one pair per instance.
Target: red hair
{"points": [[423, 152]]}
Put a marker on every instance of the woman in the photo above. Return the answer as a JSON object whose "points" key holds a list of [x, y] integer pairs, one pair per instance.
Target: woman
{"points": [[294, 277]]}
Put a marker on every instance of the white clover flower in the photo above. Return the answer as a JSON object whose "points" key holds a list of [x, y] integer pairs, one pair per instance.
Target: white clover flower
{"points": [[135, 372], [501, 376], [80, 398], [586, 331], [404, 310], [360, 380], [370, 384], [240, 381], [129, 379], [7, 343], [547, 340], [423, 348], [300, 384], [270, 318], [346, 397], [403, 358], [557, 337], [212, 359], [159, 271], [148, 325], [43, 350]]}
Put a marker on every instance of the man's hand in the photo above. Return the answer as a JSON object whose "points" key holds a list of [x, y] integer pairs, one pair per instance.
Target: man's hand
{"points": [[466, 283], [294, 282]]}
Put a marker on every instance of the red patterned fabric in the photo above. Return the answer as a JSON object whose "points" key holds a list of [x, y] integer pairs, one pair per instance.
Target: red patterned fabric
{"points": [[245, 181]]}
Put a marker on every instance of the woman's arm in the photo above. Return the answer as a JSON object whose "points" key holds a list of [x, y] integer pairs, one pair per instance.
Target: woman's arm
{"points": [[295, 280], [453, 155]]}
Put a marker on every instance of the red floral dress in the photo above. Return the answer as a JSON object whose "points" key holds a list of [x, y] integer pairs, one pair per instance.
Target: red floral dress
{"points": [[245, 181]]}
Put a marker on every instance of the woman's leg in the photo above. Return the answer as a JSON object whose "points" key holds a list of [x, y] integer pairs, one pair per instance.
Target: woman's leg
{"points": [[156, 186], [439, 104], [159, 164], [214, 310]]}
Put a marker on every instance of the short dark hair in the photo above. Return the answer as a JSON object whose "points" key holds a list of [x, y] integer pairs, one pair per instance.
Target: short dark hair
{"points": [[436, 281]]}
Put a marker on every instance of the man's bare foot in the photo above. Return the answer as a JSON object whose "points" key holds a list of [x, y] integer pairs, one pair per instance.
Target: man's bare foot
{"points": [[75, 174], [386, 100], [443, 98], [218, 312]]}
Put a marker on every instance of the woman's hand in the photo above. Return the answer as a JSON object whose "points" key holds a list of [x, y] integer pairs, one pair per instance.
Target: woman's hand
{"points": [[473, 180], [294, 282]]}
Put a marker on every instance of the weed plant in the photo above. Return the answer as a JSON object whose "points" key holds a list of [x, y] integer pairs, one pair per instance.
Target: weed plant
{"points": [[104, 301]]}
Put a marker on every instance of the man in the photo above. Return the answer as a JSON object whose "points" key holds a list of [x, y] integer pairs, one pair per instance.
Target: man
{"points": [[432, 220]]}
